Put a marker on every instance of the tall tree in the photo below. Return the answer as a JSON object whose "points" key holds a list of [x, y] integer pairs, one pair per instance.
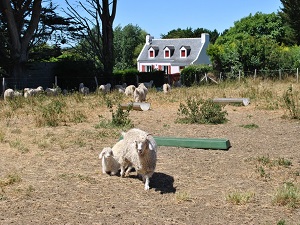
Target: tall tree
{"points": [[290, 13], [97, 29], [126, 40], [190, 33], [15, 13], [21, 28]]}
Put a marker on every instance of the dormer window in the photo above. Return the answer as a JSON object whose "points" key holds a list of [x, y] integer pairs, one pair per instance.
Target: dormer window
{"points": [[153, 51], [185, 51], [168, 51]]}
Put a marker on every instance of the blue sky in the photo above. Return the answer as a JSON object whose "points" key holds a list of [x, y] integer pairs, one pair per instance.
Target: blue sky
{"points": [[161, 16]]}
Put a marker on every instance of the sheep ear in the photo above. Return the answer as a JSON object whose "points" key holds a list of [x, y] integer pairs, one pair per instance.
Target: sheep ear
{"points": [[101, 154]]}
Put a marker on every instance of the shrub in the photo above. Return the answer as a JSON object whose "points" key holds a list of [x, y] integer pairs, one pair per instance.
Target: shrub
{"points": [[291, 103], [201, 111], [287, 195], [191, 74]]}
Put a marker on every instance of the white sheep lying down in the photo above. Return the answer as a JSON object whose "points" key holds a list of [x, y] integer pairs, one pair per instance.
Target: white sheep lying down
{"points": [[140, 152]]}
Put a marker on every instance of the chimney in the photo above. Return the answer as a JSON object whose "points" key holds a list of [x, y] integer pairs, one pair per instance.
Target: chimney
{"points": [[149, 39], [204, 38]]}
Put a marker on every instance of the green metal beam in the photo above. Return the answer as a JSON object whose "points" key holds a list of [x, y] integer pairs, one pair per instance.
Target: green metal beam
{"points": [[204, 143]]}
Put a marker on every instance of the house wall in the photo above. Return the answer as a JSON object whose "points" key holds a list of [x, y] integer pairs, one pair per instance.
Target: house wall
{"points": [[158, 66]]}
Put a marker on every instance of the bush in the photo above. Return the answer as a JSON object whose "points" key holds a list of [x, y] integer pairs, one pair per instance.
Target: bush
{"points": [[291, 103], [192, 74], [201, 111]]}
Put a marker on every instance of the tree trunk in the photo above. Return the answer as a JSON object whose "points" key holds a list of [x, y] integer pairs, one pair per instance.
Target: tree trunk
{"points": [[108, 38]]}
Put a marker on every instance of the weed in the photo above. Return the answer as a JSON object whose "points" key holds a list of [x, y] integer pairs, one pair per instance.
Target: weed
{"points": [[284, 162], [10, 179], [287, 195], [264, 160], [281, 222], [2, 136], [18, 145], [291, 103], [51, 114], [250, 126], [201, 111], [238, 198], [262, 172], [183, 197], [77, 117], [120, 118]]}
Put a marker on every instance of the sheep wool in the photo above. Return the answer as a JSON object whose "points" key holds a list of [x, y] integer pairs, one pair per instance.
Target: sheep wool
{"points": [[141, 152]]}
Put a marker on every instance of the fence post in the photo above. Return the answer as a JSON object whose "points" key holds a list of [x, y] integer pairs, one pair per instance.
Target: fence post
{"points": [[279, 74], [297, 75], [96, 81], [239, 76], [254, 74], [55, 81], [220, 76], [3, 85]]}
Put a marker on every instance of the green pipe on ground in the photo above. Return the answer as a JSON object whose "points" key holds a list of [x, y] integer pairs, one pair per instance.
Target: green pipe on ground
{"points": [[204, 143]]}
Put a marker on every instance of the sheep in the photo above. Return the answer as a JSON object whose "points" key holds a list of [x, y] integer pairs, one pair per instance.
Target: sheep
{"points": [[140, 152], [110, 158], [148, 84], [109, 164], [139, 95], [105, 88], [10, 93], [84, 90], [52, 91], [166, 88], [33, 91], [129, 90], [123, 86]]}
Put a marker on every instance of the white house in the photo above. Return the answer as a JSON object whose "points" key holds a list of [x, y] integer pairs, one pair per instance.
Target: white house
{"points": [[172, 55]]}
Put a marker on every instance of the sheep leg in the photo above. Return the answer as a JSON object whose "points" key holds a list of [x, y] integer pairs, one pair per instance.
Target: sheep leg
{"points": [[122, 173], [147, 181]]}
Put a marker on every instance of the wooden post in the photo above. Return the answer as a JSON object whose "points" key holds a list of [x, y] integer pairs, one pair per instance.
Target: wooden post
{"points": [[220, 75], [297, 75], [279, 74], [55, 81], [96, 81], [254, 74], [239, 76], [3, 85]]}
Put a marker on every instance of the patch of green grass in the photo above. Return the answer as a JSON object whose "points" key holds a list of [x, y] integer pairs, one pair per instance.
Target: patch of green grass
{"points": [[287, 195], [250, 126], [77, 117], [239, 198]]}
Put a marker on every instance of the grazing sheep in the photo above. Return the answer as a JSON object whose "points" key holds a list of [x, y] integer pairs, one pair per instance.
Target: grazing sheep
{"points": [[10, 93], [139, 95], [33, 91], [124, 85], [105, 88], [109, 164], [166, 88], [140, 152], [148, 84], [142, 85], [52, 91], [129, 90], [84, 90]]}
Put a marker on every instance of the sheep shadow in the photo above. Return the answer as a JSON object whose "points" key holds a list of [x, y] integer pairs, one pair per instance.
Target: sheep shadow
{"points": [[159, 182], [163, 183]]}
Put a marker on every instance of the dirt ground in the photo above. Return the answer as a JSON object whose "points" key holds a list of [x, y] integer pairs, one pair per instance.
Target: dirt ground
{"points": [[52, 175]]}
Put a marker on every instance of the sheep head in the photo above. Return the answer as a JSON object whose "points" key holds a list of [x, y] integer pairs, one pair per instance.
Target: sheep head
{"points": [[142, 144], [106, 153]]}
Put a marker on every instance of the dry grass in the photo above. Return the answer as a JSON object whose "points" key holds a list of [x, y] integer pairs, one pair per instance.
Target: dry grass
{"points": [[50, 172]]}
